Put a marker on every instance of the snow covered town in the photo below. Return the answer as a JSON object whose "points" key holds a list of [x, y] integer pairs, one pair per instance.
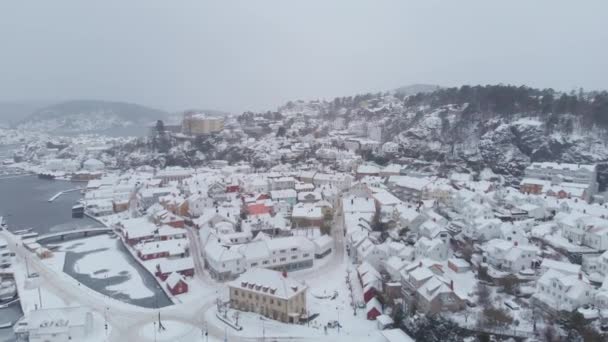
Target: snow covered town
{"points": [[328, 247], [291, 225]]}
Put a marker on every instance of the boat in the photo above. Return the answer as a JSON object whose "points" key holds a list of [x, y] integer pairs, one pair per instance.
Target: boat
{"points": [[44, 175], [78, 211], [6, 325], [22, 231], [8, 290]]}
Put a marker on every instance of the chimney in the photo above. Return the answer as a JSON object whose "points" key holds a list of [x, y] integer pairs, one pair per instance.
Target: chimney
{"points": [[580, 276], [420, 263], [452, 285]]}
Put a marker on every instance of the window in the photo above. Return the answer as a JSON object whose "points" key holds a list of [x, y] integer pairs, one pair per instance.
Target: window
{"points": [[294, 249], [283, 259], [265, 262], [254, 264], [305, 255], [294, 257]]}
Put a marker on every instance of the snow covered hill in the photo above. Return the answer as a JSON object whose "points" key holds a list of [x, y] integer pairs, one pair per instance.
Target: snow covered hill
{"points": [[87, 116], [501, 127]]}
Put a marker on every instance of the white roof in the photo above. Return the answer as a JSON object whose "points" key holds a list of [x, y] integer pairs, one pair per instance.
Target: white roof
{"points": [[42, 320], [368, 169], [174, 278], [174, 247], [562, 166], [409, 182], [354, 204], [385, 320], [176, 265], [396, 335], [386, 198], [167, 230], [459, 262], [307, 210], [138, 227], [563, 267], [544, 183], [268, 282], [323, 242], [287, 193]]}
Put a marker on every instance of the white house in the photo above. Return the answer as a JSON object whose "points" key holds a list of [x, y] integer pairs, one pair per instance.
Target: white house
{"points": [[281, 254], [509, 256], [223, 262], [434, 249], [54, 325], [562, 292]]}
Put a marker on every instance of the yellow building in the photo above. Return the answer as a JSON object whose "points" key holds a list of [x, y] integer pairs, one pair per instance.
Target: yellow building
{"points": [[269, 293], [198, 123]]}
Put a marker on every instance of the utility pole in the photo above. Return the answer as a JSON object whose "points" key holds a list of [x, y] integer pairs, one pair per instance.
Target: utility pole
{"points": [[39, 294], [338, 320]]}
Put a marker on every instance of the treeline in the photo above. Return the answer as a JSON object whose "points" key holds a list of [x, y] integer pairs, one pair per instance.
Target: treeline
{"points": [[592, 108]]}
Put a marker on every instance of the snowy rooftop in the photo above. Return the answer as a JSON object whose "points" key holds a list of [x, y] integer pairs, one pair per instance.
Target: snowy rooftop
{"points": [[563, 166], [268, 282], [353, 204]]}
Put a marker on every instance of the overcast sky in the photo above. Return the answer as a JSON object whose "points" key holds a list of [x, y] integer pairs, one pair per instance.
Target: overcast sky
{"points": [[240, 55]]}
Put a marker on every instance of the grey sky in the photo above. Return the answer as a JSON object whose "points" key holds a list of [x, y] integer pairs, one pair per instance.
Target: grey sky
{"points": [[239, 55]]}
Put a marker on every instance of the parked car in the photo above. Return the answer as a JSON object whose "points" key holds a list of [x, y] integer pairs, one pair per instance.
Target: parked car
{"points": [[511, 305]]}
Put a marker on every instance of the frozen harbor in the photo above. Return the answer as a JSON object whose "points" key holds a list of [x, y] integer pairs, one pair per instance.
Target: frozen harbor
{"points": [[103, 264]]}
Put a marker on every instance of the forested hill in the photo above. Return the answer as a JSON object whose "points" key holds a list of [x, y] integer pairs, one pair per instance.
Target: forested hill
{"points": [[497, 126]]}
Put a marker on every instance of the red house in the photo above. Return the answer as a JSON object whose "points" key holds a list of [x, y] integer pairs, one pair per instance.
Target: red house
{"points": [[233, 188], [183, 266], [162, 249], [373, 309], [258, 209], [176, 284], [369, 292], [145, 255]]}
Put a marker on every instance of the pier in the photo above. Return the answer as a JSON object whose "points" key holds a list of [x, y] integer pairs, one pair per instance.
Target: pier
{"points": [[61, 193], [84, 232]]}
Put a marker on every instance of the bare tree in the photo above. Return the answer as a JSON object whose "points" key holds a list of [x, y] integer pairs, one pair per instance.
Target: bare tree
{"points": [[483, 294]]}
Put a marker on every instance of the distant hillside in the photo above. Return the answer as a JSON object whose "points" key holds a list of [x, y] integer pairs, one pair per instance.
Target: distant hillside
{"points": [[13, 112], [87, 116], [500, 127]]}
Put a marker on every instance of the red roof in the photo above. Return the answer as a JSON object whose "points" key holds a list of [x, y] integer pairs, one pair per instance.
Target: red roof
{"points": [[258, 209]]}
